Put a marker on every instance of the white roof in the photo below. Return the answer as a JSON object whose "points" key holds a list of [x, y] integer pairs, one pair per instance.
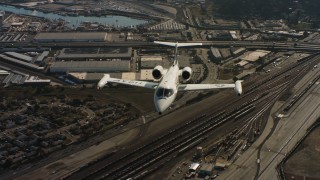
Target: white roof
{"points": [[151, 58], [146, 74], [19, 56], [242, 63], [3, 72], [81, 75], [129, 76], [254, 56], [194, 166], [17, 24]]}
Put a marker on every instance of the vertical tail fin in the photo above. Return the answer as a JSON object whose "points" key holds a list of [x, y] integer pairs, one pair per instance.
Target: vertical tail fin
{"points": [[175, 61]]}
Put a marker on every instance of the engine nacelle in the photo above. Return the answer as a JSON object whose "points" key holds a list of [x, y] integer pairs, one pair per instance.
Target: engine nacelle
{"points": [[186, 73], [157, 73], [238, 87]]}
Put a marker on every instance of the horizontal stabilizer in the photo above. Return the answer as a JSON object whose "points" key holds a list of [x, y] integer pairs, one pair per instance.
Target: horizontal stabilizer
{"points": [[176, 44]]}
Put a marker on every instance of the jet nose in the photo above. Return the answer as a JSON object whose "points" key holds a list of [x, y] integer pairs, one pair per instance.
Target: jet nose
{"points": [[161, 105]]}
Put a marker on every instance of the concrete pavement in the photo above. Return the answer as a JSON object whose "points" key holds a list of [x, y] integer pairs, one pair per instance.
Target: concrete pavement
{"points": [[286, 134]]}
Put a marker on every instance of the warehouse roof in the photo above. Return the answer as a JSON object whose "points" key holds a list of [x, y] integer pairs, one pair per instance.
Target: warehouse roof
{"points": [[42, 56], [215, 52], [3, 72], [254, 56], [194, 166], [150, 64], [242, 63], [129, 76], [146, 74], [19, 56], [110, 52], [99, 65], [92, 76], [151, 58], [207, 167], [71, 36], [21, 62]]}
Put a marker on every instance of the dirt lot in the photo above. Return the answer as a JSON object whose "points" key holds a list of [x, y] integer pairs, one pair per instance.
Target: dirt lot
{"points": [[305, 161]]}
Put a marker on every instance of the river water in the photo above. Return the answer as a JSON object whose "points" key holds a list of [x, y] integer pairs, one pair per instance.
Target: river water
{"points": [[74, 21]]}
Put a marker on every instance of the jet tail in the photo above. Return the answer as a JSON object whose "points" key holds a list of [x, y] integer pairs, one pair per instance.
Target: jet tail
{"points": [[238, 87], [176, 45], [103, 81]]}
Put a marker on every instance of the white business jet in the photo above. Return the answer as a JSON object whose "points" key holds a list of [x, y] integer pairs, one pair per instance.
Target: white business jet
{"points": [[167, 85]]}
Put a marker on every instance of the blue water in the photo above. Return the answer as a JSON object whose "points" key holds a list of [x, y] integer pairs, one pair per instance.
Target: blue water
{"points": [[74, 21]]}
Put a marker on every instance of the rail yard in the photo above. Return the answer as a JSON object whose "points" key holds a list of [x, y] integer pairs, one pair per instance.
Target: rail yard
{"points": [[68, 109], [244, 116]]}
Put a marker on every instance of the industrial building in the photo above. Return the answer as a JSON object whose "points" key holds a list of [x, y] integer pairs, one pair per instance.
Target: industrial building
{"points": [[194, 167], [84, 54], [90, 66], [71, 37], [12, 77], [146, 75], [215, 55], [219, 35], [19, 62], [206, 169], [42, 56], [24, 49], [255, 55], [35, 80], [84, 77], [233, 34], [16, 79], [242, 63], [19, 56], [239, 51], [149, 62]]}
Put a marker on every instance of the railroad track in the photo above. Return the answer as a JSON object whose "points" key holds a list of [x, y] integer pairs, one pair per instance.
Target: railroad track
{"points": [[259, 97]]}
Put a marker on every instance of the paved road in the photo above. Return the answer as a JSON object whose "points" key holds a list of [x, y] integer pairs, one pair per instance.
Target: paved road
{"points": [[286, 134], [308, 47]]}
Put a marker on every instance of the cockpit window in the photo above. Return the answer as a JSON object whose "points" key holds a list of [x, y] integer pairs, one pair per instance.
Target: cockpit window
{"points": [[163, 92]]}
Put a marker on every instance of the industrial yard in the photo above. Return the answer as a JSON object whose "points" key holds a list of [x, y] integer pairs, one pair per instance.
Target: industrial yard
{"points": [[57, 122]]}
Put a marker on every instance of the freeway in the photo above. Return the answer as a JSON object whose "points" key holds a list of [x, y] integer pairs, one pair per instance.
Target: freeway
{"points": [[248, 44]]}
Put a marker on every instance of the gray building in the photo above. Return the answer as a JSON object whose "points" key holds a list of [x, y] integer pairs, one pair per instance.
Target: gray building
{"points": [[71, 37], [206, 169], [42, 56], [19, 56], [215, 55], [19, 62], [82, 54], [90, 66]]}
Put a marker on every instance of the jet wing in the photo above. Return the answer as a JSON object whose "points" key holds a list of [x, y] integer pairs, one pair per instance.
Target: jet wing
{"points": [[107, 79], [194, 87]]}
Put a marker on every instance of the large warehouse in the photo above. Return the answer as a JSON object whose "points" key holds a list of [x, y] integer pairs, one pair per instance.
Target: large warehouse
{"points": [[83, 54], [90, 66], [71, 37], [149, 62]]}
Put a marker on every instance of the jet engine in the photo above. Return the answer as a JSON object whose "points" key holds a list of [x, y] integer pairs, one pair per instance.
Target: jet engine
{"points": [[238, 87], [186, 73], [157, 73]]}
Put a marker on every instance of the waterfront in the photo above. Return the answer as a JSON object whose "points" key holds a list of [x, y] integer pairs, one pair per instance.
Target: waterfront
{"points": [[75, 21]]}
